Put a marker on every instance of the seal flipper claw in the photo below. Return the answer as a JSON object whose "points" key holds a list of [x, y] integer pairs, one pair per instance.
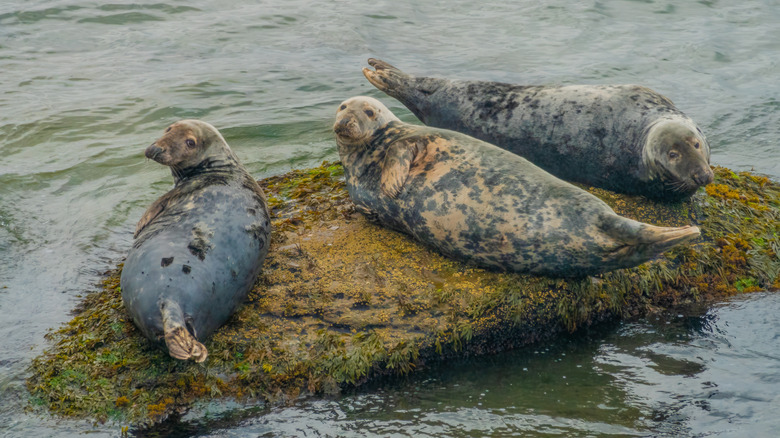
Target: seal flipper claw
{"points": [[180, 342]]}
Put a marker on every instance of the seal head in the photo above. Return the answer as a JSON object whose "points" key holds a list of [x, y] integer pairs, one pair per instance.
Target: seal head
{"points": [[677, 154], [358, 119], [189, 146]]}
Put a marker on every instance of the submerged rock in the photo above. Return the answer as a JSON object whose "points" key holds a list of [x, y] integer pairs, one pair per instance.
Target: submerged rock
{"points": [[341, 301]]}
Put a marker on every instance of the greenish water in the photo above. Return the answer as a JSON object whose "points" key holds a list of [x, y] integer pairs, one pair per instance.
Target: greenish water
{"points": [[86, 86]]}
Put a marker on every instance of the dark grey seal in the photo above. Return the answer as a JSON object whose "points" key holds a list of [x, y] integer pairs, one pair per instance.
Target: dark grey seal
{"points": [[480, 204], [624, 138], [199, 248]]}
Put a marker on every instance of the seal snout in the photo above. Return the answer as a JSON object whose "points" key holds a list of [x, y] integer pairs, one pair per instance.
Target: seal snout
{"points": [[341, 125], [344, 127], [703, 176], [153, 151]]}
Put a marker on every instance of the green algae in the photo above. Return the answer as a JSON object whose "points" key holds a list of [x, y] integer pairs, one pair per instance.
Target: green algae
{"points": [[341, 301]]}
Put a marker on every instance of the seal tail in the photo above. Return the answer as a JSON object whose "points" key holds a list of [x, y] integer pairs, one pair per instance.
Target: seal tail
{"points": [[180, 342]]}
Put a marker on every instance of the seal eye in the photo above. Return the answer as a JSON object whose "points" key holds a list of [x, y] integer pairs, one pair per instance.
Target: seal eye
{"points": [[167, 130], [369, 113], [696, 145], [343, 107], [673, 155], [190, 142]]}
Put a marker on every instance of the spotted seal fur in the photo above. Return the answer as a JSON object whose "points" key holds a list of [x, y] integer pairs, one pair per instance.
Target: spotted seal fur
{"points": [[625, 138], [199, 248], [480, 204]]}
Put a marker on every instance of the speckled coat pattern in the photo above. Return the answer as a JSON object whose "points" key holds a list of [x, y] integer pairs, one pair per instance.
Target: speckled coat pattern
{"points": [[483, 205], [201, 245], [593, 134]]}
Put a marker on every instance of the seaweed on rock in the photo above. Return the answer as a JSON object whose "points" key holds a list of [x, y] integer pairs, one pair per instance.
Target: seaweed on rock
{"points": [[341, 300]]}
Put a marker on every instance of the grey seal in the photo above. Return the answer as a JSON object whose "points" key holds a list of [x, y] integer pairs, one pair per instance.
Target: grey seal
{"points": [[198, 249], [625, 138], [480, 204]]}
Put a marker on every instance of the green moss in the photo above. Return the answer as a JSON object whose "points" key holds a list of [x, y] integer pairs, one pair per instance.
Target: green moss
{"points": [[341, 301]]}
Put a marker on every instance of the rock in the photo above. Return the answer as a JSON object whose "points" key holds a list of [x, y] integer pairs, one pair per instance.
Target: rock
{"points": [[341, 301]]}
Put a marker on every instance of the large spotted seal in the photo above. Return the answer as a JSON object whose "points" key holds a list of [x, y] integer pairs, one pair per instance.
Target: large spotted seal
{"points": [[199, 248], [481, 204], [625, 138]]}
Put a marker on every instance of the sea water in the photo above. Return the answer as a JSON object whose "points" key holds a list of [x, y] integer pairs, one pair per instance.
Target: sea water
{"points": [[86, 86]]}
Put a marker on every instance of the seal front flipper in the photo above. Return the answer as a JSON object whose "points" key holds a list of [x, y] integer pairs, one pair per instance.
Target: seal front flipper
{"points": [[369, 214], [180, 342], [396, 167], [151, 213]]}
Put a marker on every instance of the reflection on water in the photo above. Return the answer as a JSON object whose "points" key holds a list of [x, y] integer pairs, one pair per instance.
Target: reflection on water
{"points": [[87, 86]]}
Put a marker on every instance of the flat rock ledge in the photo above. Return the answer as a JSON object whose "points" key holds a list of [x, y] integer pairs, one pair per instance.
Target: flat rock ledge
{"points": [[342, 301]]}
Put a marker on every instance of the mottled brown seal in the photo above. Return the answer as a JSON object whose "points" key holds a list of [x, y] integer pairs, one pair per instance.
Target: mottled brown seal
{"points": [[199, 248], [625, 138], [481, 204]]}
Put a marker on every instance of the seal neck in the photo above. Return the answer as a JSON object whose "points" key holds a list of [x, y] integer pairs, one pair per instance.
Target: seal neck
{"points": [[209, 166], [387, 134]]}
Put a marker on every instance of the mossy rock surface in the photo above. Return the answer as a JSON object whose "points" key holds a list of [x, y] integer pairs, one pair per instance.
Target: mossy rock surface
{"points": [[342, 300]]}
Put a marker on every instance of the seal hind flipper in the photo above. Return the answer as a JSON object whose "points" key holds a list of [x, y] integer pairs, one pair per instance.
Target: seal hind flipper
{"points": [[408, 89], [659, 239], [180, 342], [395, 168], [644, 241], [386, 77]]}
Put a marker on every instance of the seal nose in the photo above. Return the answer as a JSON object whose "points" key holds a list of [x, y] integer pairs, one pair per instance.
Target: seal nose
{"points": [[153, 151], [703, 176], [341, 126]]}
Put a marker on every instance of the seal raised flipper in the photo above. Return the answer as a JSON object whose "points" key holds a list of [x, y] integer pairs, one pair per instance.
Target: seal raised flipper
{"points": [[386, 77], [180, 342], [409, 90]]}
